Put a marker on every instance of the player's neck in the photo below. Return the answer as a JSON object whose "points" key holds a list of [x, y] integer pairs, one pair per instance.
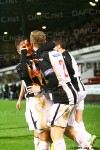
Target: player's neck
{"points": [[61, 50], [35, 48]]}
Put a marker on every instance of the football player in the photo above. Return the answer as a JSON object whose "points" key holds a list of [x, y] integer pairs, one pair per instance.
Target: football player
{"points": [[76, 80], [37, 105], [63, 92]]}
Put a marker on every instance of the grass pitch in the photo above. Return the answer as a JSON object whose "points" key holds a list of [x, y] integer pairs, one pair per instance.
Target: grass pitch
{"points": [[14, 133]]}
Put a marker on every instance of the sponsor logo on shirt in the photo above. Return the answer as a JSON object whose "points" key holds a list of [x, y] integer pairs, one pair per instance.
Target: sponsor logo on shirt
{"points": [[56, 55]]}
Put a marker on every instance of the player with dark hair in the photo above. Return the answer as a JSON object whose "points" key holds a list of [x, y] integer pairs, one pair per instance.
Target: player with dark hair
{"points": [[76, 80], [37, 105]]}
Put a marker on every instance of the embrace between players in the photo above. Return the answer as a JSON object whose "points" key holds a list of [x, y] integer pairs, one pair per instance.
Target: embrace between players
{"points": [[54, 93]]}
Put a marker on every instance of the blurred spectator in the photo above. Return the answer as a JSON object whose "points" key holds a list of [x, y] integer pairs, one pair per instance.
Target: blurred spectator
{"points": [[78, 35], [84, 36], [10, 91]]}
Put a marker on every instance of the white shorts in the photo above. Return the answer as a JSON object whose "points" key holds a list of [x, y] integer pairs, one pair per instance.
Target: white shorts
{"points": [[71, 119], [81, 97], [37, 112], [59, 114], [79, 105]]}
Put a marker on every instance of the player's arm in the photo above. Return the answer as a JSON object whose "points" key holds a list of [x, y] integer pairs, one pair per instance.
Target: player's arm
{"points": [[49, 76], [23, 61], [22, 68], [21, 95], [45, 48]]}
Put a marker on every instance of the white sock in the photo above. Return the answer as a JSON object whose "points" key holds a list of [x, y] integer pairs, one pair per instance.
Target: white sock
{"points": [[87, 134], [36, 142], [82, 142], [49, 146], [79, 128], [43, 145], [59, 145], [82, 124]]}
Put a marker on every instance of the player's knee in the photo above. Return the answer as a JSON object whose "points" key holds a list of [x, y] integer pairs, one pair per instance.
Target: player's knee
{"points": [[45, 135], [36, 134], [57, 133], [70, 132]]}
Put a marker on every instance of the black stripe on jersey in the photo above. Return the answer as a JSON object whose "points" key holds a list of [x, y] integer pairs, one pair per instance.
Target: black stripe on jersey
{"points": [[75, 83], [81, 83], [59, 95], [52, 122], [68, 62], [34, 122], [74, 80], [73, 91]]}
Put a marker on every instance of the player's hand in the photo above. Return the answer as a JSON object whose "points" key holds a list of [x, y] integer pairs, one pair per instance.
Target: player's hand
{"points": [[26, 48], [18, 105], [35, 60], [24, 51], [33, 89]]}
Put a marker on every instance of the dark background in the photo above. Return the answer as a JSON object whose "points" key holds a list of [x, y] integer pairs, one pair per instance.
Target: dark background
{"points": [[61, 17]]}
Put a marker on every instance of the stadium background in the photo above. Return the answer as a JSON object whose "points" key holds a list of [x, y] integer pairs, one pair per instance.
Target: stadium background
{"points": [[78, 22]]}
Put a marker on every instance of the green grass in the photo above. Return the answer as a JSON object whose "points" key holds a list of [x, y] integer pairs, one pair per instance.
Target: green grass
{"points": [[14, 133]]}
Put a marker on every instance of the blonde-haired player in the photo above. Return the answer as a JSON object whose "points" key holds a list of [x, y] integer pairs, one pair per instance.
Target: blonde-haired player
{"points": [[64, 94]]}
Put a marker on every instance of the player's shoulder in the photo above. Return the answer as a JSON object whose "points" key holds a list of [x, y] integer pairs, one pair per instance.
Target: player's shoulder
{"points": [[54, 53], [66, 53], [44, 56]]}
